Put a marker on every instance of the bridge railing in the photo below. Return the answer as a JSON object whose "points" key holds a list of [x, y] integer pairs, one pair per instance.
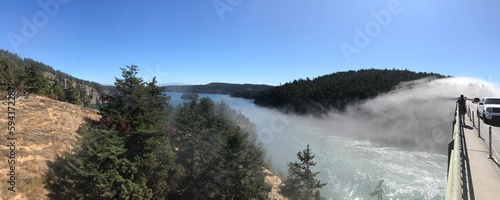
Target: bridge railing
{"points": [[454, 186], [487, 136]]}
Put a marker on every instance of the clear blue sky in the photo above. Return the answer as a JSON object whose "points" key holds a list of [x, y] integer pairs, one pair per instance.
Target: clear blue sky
{"points": [[258, 41]]}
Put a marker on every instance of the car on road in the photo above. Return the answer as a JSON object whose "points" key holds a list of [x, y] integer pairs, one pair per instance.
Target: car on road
{"points": [[488, 108]]}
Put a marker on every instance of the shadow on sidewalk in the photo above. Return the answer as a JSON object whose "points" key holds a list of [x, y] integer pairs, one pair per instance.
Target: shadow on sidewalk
{"points": [[467, 127], [467, 185]]}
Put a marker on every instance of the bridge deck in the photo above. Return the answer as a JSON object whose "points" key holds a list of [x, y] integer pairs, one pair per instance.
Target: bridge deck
{"points": [[481, 175]]}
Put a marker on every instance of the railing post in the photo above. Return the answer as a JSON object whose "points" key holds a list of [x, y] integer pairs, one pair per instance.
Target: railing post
{"points": [[489, 140], [472, 117], [468, 111], [478, 127]]}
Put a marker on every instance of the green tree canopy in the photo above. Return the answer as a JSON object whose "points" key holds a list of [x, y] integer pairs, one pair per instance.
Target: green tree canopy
{"points": [[301, 182], [136, 104], [128, 154], [335, 90], [96, 169]]}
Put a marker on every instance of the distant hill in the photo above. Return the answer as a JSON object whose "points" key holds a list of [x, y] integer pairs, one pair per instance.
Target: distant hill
{"points": [[236, 90], [335, 90], [28, 75]]}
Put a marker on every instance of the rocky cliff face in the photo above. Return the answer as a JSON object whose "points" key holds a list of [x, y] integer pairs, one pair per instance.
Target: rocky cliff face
{"points": [[95, 95]]}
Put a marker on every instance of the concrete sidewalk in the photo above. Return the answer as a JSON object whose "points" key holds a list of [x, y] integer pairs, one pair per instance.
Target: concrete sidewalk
{"points": [[481, 175]]}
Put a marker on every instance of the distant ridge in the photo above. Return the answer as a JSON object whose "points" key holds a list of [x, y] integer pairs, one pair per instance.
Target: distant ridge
{"points": [[218, 88], [337, 90], [174, 84]]}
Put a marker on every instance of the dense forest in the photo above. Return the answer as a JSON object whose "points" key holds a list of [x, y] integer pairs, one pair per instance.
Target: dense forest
{"points": [[28, 75], [335, 90], [235, 90], [247, 94], [143, 148]]}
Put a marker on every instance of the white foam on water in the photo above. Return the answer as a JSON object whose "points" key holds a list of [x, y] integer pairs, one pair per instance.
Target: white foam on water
{"points": [[353, 168]]}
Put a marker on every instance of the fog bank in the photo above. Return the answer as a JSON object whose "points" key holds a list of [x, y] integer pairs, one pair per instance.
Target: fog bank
{"points": [[417, 116]]}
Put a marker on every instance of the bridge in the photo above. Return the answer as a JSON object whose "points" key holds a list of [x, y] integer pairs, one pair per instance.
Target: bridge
{"points": [[473, 158]]}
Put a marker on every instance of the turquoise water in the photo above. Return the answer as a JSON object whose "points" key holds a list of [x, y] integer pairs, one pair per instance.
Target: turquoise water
{"points": [[352, 167]]}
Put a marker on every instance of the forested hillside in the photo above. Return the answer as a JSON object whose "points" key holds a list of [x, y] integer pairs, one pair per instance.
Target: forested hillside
{"points": [[142, 148], [236, 90], [28, 75], [335, 90]]}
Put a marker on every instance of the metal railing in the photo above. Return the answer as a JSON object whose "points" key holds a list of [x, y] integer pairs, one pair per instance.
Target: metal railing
{"points": [[454, 186], [487, 140]]}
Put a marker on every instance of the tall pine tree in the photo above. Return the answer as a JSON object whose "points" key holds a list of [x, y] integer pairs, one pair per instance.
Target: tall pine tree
{"points": [[126, 155], [301, 182], [238, 171], [35, 81], [139, 111], [96, 169]]}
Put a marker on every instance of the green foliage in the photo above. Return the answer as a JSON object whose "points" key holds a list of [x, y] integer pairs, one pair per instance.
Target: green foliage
{"points": [[240, 169], [135, 105], [219, 160], [335, 90], [301, 183], [236, 119], [71, 95], [96, 169], [35, 82], [189, 96], [10, 71], [129, 153], [37, 78], [200, 134], [57, 92], [159, 167], [247, 94]]}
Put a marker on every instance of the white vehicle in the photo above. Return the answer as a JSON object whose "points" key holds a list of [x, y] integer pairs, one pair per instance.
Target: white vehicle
{"points": [[488, 108]]}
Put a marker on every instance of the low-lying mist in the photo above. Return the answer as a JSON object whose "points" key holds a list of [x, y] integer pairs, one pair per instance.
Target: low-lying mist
{"points": [[416, 115]]}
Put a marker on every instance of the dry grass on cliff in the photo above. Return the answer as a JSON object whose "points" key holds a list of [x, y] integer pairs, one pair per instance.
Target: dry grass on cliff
{"points": [[44, 127]]}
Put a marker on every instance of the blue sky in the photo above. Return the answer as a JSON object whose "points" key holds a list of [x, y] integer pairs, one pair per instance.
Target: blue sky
{"points": [[259, 41]]}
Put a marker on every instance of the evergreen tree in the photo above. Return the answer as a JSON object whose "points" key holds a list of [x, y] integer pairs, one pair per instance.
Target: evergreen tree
{"points": [[301, 182], [139, 111], [237, 172], [57, 92], [159, 168], [196, 136], [130, 154], [7, 74], [136, 104], [219, 161], [71, 95], [86, 101], [97, 169], [35, 81]]}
